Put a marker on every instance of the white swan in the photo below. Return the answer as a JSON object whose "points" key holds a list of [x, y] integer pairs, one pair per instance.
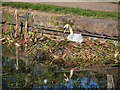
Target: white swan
{"points": [[73, 37]]}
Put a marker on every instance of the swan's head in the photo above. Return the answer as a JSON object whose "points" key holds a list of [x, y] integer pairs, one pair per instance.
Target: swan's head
{"points": [[66, 27]]}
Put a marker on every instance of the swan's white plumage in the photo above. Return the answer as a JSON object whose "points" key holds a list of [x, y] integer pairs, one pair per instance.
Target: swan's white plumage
{"points": [[76, 37], [73, 37]]}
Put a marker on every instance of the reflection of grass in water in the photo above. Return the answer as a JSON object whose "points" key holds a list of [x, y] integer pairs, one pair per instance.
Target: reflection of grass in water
{"points": [[31, 75], [62, 9]]}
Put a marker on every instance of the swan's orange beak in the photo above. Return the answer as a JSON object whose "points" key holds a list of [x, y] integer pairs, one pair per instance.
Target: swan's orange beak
{"points": [[64, 30]]}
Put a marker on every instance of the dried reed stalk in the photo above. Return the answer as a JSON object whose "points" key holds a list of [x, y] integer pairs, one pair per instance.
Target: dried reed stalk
{"points": [[25, 31], [17, 57]]}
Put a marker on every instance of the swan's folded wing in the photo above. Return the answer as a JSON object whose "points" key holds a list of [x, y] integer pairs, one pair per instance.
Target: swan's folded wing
{"points": [[78, 38]]}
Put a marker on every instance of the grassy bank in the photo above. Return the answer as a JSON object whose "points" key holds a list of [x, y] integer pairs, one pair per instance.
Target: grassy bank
{"points": [[62, 9]]}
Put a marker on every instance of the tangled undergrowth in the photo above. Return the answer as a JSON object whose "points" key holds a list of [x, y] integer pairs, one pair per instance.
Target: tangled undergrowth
{"points": [[70, 54]]}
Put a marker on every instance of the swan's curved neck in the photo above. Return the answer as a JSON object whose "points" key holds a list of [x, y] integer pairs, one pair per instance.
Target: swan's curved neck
{"points": [[71, 31]]}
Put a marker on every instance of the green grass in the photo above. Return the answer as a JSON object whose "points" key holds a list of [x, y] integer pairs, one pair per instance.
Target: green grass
{"points": [[62, 9]]}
